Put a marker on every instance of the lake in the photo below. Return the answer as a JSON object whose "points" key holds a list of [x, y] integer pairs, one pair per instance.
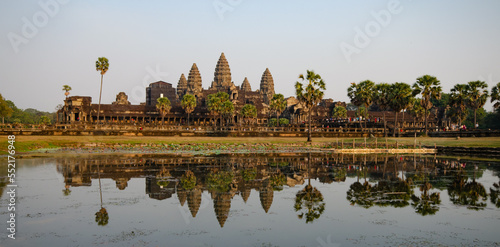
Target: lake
{"points": [[253, 200]]}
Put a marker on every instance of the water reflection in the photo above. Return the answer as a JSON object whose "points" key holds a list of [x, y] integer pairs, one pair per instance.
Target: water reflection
{"points": [[379, 181]]}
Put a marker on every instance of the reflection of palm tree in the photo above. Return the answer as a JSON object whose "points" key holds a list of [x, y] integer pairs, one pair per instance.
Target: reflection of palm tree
{"points": [[466, 193], [494, 192], [310, 199], [66, 190], [360, 194], [101, 217], [426, 204]]}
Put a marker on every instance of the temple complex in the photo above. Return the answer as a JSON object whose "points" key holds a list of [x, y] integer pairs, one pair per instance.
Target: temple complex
{"points": [[81, 108]]}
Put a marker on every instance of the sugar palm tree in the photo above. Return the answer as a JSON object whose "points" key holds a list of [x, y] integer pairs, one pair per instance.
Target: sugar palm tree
{"points": [[188, 103], [215, 102], [382, 99], [67, 89], [248, 112], [361, 94], [278, 105], [310, 93], [477, 92], [429, 88], [495, 95], [458, 100], [163, 105], [102, 65], [227, 110], [339, 112], [400, 99]]}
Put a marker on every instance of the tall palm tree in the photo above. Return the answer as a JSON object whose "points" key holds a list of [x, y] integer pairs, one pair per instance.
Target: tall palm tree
{"points": [[458, 100], [310, 94], [400, 99], [215, 102], [361, 94], [495, 95], [188, 103], [163, 105], [429, 88], [67, 89], [102, 65], [278, 105], [249, 112], [382, 99], [227, 110], [478, 95]]}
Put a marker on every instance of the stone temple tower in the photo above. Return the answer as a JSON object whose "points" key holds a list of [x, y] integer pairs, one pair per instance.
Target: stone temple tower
{"points": [[194, 81], [246, 86], [267, 86], [181, 87], [222, 75]]}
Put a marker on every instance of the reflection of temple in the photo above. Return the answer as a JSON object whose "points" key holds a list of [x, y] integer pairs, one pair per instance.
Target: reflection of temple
{"points": [[163, 174]]}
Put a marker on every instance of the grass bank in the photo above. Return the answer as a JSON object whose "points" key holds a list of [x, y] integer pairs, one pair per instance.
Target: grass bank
{"points": [[34, 143]]}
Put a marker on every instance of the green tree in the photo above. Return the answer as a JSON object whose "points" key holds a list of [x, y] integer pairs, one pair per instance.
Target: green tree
{"points": [[495, 95], [429, 88], [188, 103], [310, 93], [163, 105], [478, 95], [227, 110], [278, 105], [339, 112], [5, 109], [381, 97], [67, 89], [102, 65], [44, 120], [361, 94], [459, 100], [249, 112], [400, 99], [215, 102]]}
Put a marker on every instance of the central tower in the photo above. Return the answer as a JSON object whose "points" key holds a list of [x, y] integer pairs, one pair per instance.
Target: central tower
{"points": [[222, 75]]}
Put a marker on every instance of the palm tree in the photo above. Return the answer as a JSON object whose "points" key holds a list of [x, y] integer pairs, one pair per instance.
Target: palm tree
{"points": [[310, 95], [310, 199], [458, 100], [163, 105], [227, 110], [478, 95], [67, 89], [102, 65], [429, 87], [382, 99], [278, 105], [249, 112], [215, 102], [495, 95], [188, 103], [339, 112], [400, 99], [361, 94]]}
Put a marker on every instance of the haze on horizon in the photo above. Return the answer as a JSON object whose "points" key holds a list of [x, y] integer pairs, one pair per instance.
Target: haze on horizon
{"points": [[49, 43]]}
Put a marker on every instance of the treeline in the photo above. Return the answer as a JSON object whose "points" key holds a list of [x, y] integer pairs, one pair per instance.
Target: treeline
{"points": [[10, 114]]}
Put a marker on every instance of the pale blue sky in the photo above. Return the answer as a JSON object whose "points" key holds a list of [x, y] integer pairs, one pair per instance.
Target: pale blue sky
{"points": [[456, 41]]}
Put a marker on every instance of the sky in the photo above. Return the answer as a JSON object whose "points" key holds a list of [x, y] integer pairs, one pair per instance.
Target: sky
{"points": [[46, 44]]}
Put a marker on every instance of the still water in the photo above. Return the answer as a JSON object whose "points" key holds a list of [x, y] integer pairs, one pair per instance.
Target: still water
{"points": [[254, 200]]}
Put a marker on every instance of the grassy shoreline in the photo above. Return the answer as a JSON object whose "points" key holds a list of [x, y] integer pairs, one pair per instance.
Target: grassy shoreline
{"points": [[25, 144]]}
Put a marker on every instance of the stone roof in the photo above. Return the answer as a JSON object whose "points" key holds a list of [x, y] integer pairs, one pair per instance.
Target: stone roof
{"points": [[222, 74], [246, 85], [182, 86], [267, 86], [194, 80]]}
